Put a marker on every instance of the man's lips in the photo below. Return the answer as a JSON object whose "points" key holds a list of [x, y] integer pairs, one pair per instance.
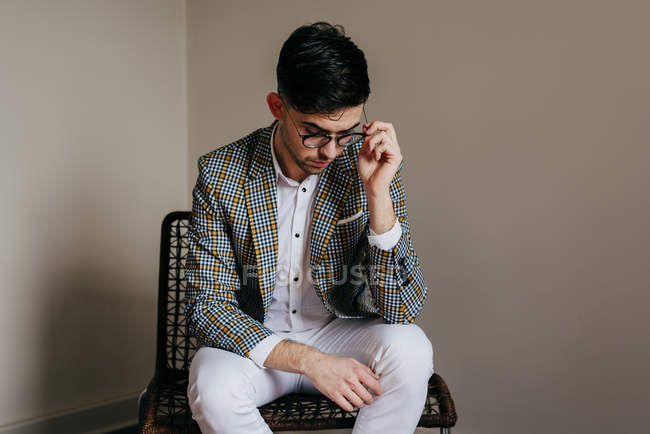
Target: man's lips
{"points": [[320, 163]]}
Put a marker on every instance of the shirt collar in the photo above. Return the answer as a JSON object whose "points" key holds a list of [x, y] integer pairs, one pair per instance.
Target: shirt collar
{"points": [[276, 166]]}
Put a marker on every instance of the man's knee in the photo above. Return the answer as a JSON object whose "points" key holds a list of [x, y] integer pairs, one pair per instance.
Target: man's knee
{"points": [[409, 348], [217, 390], [222, 391]]}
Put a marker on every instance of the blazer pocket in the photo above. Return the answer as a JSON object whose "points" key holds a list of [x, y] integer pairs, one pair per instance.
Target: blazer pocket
{"points": [[349, 219]]}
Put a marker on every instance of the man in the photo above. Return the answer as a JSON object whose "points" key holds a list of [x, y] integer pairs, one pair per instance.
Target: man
{"points": [[301, 271]]}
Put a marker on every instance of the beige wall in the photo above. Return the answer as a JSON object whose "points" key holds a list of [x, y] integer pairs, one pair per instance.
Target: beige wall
{"points": [[93, 154], [525, 134], [524, 127]]}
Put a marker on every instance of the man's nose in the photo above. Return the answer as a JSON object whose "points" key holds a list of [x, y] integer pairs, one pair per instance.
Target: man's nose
{"points": [[329, 150]]}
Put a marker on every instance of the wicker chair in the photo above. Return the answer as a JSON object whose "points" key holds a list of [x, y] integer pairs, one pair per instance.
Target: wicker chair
{"points": [[163, 405]]}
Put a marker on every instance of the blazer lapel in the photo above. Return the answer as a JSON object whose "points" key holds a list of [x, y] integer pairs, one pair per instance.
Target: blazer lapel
{"points": [[260, 194], [333, 188]]}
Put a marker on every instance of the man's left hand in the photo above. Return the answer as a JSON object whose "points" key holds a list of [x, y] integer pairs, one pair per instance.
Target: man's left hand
{"points": [[379, 157]]}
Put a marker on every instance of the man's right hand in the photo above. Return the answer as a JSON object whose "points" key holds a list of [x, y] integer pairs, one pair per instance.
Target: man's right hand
{"points": [[342, 379]]}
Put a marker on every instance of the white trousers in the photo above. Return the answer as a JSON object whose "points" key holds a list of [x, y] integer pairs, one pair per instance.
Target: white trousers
{"points": [[225, 388]]}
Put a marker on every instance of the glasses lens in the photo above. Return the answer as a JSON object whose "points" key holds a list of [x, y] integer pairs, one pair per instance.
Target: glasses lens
{"points": [[316, 141], [350, 139]]}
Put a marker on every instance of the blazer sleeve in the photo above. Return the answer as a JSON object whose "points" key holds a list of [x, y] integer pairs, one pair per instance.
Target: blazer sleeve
{"points": [[394, 275], [212, 308]]}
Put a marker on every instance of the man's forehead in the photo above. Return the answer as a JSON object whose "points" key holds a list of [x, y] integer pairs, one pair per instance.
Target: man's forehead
{"points": [[338, 121]]}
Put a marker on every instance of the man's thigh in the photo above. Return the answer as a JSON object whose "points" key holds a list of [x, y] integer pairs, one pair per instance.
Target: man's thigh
{"points": [[374, 343], [230, 377]]}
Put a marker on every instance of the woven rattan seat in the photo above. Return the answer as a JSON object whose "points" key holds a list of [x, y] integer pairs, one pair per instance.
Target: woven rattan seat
{"points": [[163, 406]]}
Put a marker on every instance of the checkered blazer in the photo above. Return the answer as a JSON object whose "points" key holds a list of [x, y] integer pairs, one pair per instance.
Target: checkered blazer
{"points": [[233, 247]]}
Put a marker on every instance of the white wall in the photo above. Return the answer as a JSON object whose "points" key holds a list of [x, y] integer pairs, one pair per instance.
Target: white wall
{"points": [[525, 134], [93, 151]]}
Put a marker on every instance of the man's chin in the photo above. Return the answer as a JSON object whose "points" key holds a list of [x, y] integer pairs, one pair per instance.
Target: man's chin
{"points": [[313, 168]]}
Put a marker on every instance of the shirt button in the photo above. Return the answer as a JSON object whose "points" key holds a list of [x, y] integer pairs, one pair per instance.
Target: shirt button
{"points": [[297, 235], [295, 279], [304, 189], [293, 311]]}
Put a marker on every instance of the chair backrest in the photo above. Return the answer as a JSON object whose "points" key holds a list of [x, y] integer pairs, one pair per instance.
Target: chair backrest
{"points": [[175, 347]]}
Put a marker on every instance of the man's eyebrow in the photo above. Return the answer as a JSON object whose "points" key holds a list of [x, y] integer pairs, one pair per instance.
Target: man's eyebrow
{"points": [[311, 124]]}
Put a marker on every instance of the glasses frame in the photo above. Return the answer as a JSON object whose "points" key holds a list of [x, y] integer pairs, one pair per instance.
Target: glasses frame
{"points": [[329, 138]]}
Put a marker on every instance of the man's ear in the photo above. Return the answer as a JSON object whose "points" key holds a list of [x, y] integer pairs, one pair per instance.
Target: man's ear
{"points": [[275, 105]]}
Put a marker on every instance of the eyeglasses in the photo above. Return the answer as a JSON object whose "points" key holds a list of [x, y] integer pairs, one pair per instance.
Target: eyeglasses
{"points": [[320, 140]]}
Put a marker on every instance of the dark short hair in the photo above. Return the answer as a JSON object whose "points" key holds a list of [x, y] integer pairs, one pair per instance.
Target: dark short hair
{"points": [[320, 70]]}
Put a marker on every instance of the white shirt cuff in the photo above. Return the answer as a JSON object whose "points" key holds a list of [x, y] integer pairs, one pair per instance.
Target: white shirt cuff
{"points": [[388, 239], [263, 348]]}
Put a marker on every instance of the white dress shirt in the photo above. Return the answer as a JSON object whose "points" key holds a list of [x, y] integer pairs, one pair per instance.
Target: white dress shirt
{"points": [[295, 306]]}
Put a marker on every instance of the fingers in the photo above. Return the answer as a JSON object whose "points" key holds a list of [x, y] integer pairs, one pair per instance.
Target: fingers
{"points": [[360, 394], [365, 147], [374, 141], [374, 126], [351, 394], [380, 148], [349, 385], [342, 402], [355, 395], [381, 143], [371, 380]]}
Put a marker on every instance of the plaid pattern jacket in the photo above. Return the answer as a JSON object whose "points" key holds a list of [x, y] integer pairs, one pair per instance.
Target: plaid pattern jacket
{"points": [[233, 247]]}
